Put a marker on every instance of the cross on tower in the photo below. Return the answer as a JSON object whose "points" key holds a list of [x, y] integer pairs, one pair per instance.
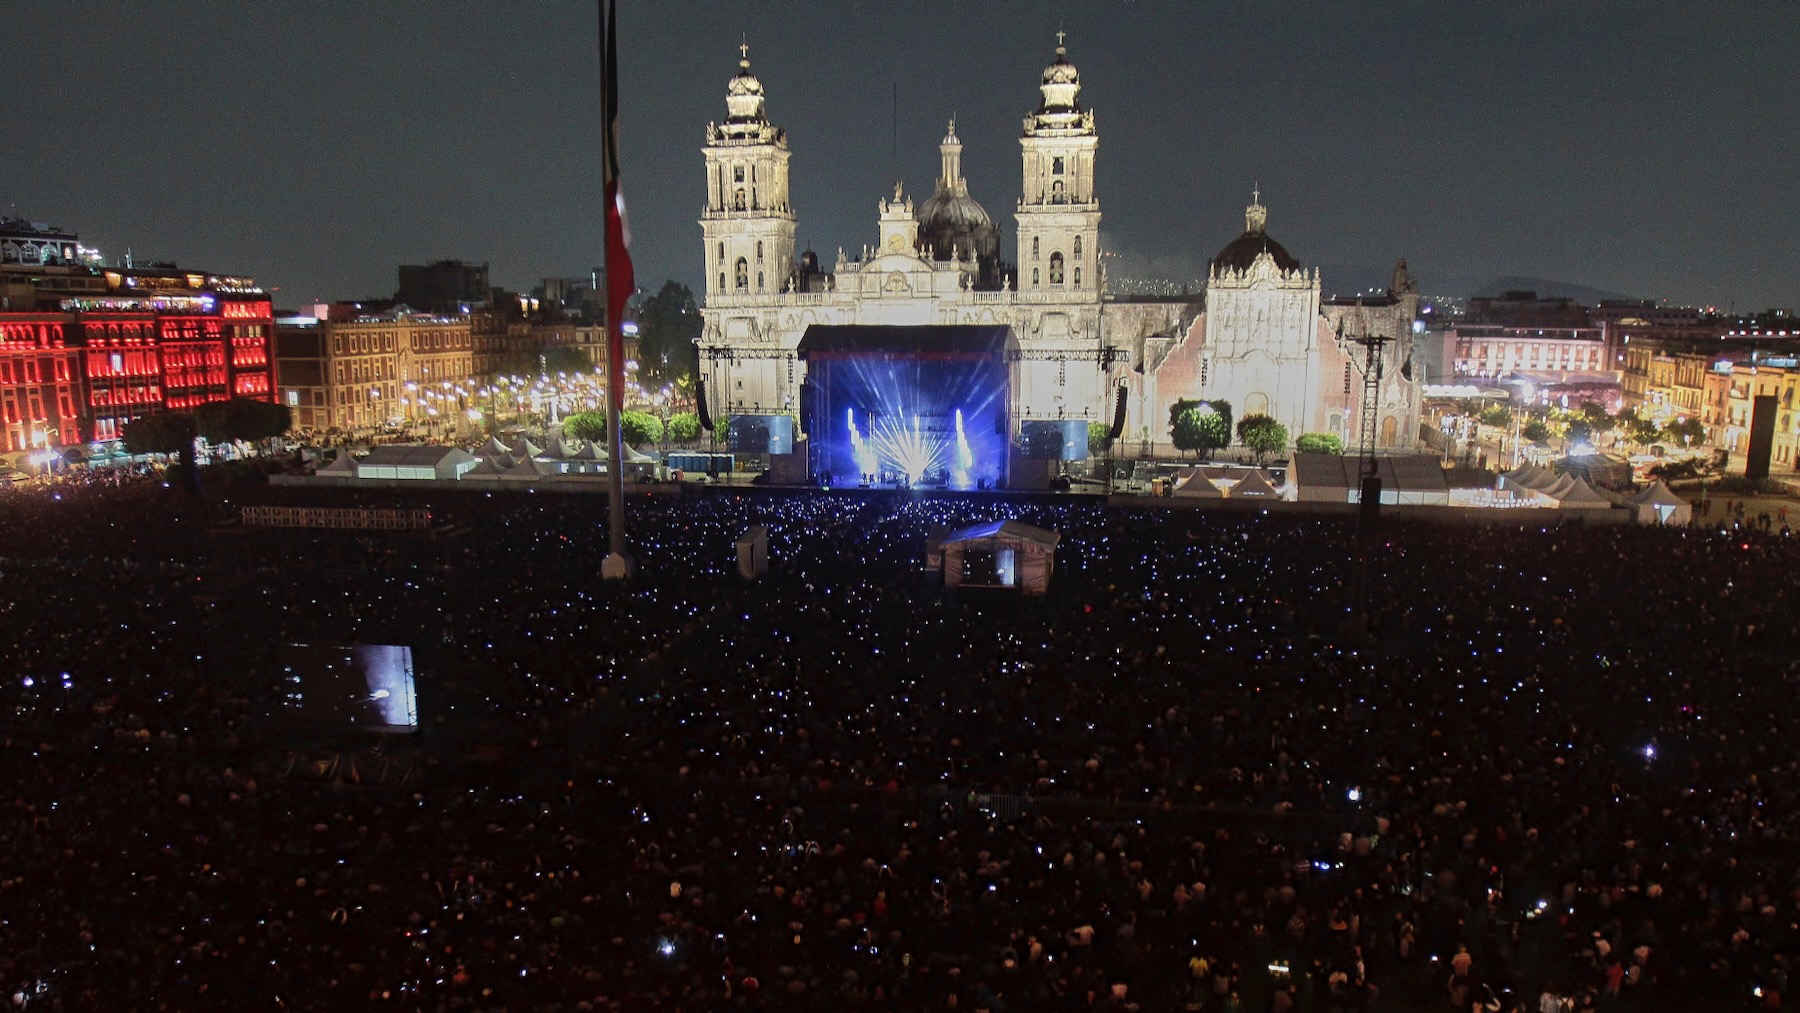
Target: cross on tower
{"points": [[744, 49], [1059, 37], [1256, 193]]}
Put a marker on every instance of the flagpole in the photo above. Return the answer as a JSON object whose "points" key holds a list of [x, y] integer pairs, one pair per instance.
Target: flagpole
{"points": [[618, 564]]}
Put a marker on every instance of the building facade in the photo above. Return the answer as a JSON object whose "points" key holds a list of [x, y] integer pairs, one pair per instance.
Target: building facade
{"points": [[363, 371], [1262, 335], [1266, 341], [118, 363], [933, 263]]}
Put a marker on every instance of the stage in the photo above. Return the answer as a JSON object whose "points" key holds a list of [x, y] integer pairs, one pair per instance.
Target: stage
{"points": [[924, 405]]}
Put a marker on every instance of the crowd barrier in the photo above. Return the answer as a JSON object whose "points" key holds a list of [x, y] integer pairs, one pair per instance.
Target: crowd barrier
{"points": [[339, 518]]}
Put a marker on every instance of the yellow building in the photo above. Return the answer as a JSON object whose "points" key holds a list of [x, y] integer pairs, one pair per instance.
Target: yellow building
{"points": [[353, 371]]}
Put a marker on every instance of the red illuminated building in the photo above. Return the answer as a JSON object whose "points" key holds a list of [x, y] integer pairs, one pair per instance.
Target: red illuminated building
{"points": [[86, 347], [79, 375], [40, 382]]}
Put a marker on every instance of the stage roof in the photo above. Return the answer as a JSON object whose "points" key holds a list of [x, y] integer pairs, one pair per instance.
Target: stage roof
{"points": [[1005, 529], [959, 341]]}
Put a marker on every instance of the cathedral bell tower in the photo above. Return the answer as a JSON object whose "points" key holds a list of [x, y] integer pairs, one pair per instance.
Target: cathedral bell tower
{"points": [[748, 224], [1059, 214]]}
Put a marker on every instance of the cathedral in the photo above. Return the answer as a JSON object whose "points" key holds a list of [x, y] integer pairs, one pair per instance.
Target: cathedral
{"points": [[937, 284]]}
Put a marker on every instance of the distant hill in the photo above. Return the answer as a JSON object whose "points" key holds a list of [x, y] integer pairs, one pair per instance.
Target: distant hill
{"points": [[1354, 279], [1546, 289]]}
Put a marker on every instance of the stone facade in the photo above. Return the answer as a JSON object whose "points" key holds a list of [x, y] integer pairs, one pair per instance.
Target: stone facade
{"points": [[1261, 337], [1059, 365]]}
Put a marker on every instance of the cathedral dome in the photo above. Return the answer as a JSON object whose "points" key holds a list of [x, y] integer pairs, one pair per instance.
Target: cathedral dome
{"points": [[1242, 252], [952, 224], [956, 223]]}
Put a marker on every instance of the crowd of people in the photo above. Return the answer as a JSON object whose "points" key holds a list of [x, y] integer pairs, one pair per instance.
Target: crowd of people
{"points": [[1232, 761]]}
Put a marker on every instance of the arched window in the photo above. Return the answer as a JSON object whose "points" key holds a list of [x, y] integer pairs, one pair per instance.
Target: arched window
{"points": [[743, 273], [1034, 247], [1078, 277], [759, 251], [759, 281], [1034, 277], [721, 281], [1056, 193], [721, 253], [1390, 431], [1056, 166], [739, 202], [1077, 247], [1056, 264]]}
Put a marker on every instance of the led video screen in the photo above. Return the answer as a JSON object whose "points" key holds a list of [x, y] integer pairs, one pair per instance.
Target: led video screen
{"points": [[354, 686]]}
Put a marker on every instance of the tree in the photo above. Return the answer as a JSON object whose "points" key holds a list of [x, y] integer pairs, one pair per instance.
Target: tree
{"points": [[167, 433], [161, 433], [1638, 430], [1497, 415], [242, 419], [1097, 438], [554, 359], [585, 426], [1598, 415], [1535, 430], [641, 428], [1686, 431], [1581, 431], [1199, 426], [668, 324], [1263, 434], [1319, 443], [683, 427]]}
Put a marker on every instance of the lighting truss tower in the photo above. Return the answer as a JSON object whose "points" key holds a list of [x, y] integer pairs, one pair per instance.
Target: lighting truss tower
{"points": [[1373, 369]]}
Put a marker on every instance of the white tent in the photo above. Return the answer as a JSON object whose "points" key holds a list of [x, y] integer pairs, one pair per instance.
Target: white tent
{"points": [[415, 462], [343, 464], [1195, 482], [525, 469], [1254, 485], [1576, 494], [495, 447], [488, 469], [1527, 476], [1657, 505], [636, 457], [1007, 554], [525, 448]]}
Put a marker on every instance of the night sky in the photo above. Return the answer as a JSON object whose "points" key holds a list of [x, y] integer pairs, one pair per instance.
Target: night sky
{"points": [[1642, 148]]}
